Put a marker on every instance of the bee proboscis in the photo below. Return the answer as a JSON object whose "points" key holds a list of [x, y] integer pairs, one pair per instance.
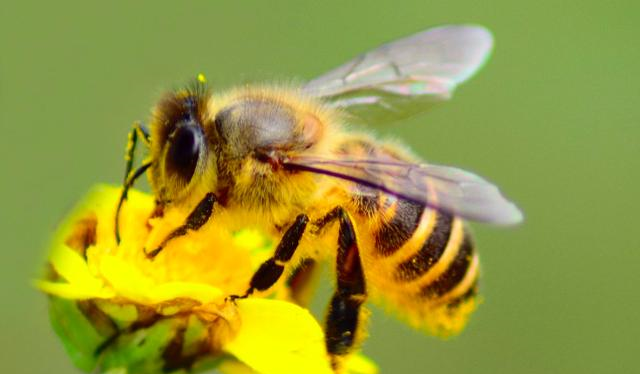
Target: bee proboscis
{"points": [[281, 159]]}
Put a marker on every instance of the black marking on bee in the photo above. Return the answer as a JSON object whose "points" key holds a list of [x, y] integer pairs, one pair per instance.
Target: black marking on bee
{"points": [[271, 270], [430, 252], [454, 273], [267, 274], [291, 239], [198, 217], [400, 228], [343, 316], [342, 323], [469, 294]]}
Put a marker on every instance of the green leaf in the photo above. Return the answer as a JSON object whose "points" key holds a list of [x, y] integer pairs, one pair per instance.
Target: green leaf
{"points": [[79, 337]]}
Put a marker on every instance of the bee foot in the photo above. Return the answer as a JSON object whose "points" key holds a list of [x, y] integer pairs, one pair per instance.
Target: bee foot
{"points": [[233, 298]]}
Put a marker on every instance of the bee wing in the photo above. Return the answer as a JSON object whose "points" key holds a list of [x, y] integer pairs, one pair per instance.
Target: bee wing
{"points": [[404, 77], [447, 189]]}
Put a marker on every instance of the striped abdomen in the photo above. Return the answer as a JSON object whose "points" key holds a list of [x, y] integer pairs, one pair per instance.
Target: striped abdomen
{"points": [[425, 260], [421, 261]]}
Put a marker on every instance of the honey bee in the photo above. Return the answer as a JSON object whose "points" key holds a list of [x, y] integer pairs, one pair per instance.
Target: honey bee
{"points": [[282, 160]]}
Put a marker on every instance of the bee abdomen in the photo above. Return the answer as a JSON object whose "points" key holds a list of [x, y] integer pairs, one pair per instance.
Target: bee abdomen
{"points": [[455, 273], [430, 253], [469, 294], [394, 232]]}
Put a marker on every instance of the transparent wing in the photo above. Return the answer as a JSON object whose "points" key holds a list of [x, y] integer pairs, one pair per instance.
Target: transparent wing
{"points": [[402, 78], [443, 188]]}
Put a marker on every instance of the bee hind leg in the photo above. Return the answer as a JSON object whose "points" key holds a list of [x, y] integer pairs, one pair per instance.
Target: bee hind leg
{"points": [[198, 217], [271, 270], [343, 316]]}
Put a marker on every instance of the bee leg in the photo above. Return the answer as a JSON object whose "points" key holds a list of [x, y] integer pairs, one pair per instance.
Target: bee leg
{"points": [[138, 131], [125, 190], [270, 271], [198, 217], [342, 320]]}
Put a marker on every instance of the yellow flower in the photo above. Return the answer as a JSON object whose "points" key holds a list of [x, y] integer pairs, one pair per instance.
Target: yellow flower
{"points": [[117, 311]]}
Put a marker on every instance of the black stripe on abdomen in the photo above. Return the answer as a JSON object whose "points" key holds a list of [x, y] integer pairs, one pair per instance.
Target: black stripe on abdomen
{"points": [[430, 253], [468, 295], [400, 228], [454, 274]]}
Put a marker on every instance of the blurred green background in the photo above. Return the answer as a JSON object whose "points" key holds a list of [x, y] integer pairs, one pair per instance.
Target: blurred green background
{"points": [[554, 119]]}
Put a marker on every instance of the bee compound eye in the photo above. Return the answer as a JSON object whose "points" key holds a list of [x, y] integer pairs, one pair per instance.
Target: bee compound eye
{"points": [[184, 152]]}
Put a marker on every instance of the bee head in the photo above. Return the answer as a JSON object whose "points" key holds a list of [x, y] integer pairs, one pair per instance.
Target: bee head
{"points": [[179, 146], [238, 153]]}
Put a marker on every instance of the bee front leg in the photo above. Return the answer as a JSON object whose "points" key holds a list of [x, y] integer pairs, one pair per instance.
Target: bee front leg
{"points": [[138, 131], [271, 270], [343, 317], [198, 217]]}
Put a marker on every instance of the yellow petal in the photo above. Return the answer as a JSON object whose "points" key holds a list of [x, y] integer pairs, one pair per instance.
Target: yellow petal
{"points": [[125, 278], [201, 292], [251, 240], [73, 268], [70, 265], [130, 283], [359, 364], [276, 337], [72, 291], [234, 367]]}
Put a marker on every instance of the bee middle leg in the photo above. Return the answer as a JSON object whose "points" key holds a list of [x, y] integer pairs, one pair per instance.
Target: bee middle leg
{"points": [[271, 270], [198, 217]]}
